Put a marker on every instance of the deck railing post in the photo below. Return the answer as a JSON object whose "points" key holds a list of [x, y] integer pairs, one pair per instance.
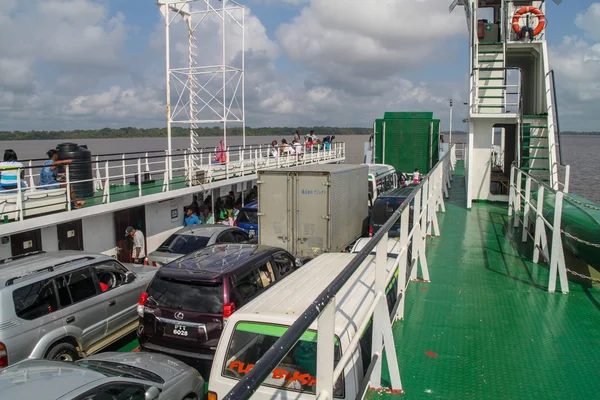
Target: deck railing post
{"points": [[147, 165], [415, 239], [227, 165], [567, 178], [402, 271], [68, 187], [557, 258], [517, 207], [98, 178], [20, 194], [511, 192], [31, 182], [325, 350], [526, 209], [123, 170], [540, 242], [166, 175], [106, 195], [139, 176]]}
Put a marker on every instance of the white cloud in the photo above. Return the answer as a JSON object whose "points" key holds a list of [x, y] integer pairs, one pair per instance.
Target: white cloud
{"points": [[576, 61], [349, 38]]}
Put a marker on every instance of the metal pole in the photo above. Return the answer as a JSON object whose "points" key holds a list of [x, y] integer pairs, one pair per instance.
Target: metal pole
{"points": [[450, 132], [243, 78], [168, 78], [224, 75]]}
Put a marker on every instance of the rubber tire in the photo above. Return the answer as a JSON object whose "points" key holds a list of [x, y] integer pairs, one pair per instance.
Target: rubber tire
{"points": [[63, 349]]}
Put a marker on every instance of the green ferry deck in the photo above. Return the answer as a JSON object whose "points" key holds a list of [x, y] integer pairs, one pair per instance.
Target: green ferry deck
{"points": [[485, 327]]}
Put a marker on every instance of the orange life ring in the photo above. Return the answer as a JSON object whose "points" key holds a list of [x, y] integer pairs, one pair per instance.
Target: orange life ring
{"points": [[529, 9]]}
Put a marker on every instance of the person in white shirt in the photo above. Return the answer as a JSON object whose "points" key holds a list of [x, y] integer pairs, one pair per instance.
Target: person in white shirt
{"points": [[416, 176], [138, 250], [286, 148], [297, 147], [274, 151]]}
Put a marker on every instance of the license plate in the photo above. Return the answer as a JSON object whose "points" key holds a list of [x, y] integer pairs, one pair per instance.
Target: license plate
{"points": [[180, 331], [251, 232]]}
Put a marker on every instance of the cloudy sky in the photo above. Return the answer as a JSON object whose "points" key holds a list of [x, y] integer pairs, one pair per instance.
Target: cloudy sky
{"points": [[68, 64]]}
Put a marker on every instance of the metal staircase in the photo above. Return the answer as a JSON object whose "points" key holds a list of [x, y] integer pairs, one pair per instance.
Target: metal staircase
{"points": [[491, 77]]}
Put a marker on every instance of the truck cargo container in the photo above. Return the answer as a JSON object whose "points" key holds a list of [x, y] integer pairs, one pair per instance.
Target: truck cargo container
{"points": [[313, 209]]}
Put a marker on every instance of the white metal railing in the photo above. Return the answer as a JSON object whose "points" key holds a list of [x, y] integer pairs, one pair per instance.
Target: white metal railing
{"points": [[134, 175], [530, 201], [552, 159], [426, 200]]}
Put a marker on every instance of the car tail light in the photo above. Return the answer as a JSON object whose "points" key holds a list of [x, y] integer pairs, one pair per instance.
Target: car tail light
{"points": [[3, 355], [212, 396], [154, 264], [234, 223], [370, 230], [228, 309], [141, 304]]}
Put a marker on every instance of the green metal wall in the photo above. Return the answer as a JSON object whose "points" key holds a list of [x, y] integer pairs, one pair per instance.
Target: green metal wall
{"points": [[411, 138]]}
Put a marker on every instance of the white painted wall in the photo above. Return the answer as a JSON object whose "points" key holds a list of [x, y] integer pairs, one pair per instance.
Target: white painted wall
{"points": [[99, 234], [159, 224], [479, 158], [50, 238]]}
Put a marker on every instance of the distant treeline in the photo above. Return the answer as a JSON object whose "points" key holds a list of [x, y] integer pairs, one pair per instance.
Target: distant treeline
{"points": [[130, 132]]}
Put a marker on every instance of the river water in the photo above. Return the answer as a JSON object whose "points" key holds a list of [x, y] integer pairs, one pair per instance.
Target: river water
{"points": [[581, 152]]}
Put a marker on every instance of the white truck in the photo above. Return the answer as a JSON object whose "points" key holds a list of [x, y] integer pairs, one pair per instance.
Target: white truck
{"points": [[313, 209]]}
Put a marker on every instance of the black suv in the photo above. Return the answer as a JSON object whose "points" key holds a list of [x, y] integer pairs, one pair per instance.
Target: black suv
{"points": [[182, 311]]}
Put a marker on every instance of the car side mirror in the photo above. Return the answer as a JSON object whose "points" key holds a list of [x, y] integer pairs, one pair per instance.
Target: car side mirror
{"points": [[152, 393], [129, 277]]}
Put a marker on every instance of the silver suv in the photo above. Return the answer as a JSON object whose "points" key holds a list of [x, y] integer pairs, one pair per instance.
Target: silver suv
{"points": [[67, 304]]}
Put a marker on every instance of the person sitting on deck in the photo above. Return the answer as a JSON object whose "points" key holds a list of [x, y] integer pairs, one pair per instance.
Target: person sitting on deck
{"points": [[48, 175], [273, 152], [297, 147], [286, 149], [9, 172], [190, 217]]}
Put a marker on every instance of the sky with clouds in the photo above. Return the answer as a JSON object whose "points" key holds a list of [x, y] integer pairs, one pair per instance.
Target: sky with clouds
{"points": [[69, 64]]}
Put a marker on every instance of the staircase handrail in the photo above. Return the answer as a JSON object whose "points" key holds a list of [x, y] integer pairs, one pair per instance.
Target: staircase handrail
{"points": [[551, 110], [556, 117]]}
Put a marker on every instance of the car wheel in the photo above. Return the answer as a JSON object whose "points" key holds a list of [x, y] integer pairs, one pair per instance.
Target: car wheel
{"points": [[63, 352]]}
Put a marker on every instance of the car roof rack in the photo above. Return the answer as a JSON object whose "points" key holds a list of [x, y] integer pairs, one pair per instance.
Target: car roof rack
{"points": [[50, 268], [20, 256]]}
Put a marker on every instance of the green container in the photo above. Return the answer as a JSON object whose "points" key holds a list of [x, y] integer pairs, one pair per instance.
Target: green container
{"points": [[411, 141]]}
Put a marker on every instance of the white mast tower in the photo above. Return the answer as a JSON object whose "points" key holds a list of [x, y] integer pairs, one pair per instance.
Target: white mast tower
{"points": [[210, 88]]}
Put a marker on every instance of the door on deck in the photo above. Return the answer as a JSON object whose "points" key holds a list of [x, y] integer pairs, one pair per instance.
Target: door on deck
{"points": [[135, 217], [26, 242], [70, 235]]}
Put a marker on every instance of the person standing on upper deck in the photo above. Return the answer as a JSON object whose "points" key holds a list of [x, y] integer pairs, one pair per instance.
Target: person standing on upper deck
{"points": [[297, 135], [139, 245]]}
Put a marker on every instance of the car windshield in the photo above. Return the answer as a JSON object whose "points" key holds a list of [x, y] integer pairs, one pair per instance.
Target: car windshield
{"points": [[384, 208], [248, 217], [183, 244], [200, 297], [297, 371], [112, 369]]}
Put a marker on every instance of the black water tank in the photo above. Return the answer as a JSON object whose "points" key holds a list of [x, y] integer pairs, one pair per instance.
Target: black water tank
{"points": [[80, 169]]}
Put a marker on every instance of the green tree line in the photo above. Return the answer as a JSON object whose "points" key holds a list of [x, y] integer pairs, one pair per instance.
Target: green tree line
{"points": [[130, 132]]}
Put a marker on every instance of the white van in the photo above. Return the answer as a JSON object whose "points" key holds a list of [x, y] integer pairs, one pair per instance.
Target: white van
{"points": [[382, 177], [253, 329]]}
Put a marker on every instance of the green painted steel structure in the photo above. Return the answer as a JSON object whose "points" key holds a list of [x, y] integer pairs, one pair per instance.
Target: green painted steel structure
{"points": [[485, 327], [407, 140]]}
